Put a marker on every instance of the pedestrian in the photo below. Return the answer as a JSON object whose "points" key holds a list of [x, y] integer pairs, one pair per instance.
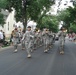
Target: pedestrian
{"points": [[70, 37], [51, 39], [46, 39], [20, 36], [36, 39], [1, 38], [75, 38], [15, 39], [23, 42], [62, 35], [39, 35], [11, 38], [27, 37]]}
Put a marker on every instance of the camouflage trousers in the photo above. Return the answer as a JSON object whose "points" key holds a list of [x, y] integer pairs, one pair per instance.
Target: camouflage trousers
{"points": [[61, 44], [46, 43], [23, 44], [28, 47], [15, 42]]}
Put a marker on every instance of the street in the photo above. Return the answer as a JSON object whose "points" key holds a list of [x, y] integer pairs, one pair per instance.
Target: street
{"points": [[51, 63]]}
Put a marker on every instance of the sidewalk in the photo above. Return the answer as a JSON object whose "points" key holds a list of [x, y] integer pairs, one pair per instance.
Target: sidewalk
{"points": [[4, 48]]}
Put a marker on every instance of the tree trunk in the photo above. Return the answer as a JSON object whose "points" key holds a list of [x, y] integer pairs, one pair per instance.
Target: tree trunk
{"points": [[24, 16]]}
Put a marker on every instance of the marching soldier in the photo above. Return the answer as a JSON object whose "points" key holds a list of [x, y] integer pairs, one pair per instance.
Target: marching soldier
{"points": [[20, 36], [50, 39], [45, 35], [36, 39], [62, 35], [15, 39], [39, 38], [32, 41], [23, 42], [27, 37]]}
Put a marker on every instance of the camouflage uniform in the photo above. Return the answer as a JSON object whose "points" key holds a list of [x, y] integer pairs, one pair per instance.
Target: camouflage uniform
{"points": [[50, 39], [32, 41], [39, 38], [61, 41], [35, 40], [46, 41], [23, 42], [15, 39], [27, 37], [20, 36]]}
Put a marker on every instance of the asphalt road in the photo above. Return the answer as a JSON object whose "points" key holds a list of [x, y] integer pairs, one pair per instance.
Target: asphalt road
{"points": [[51, 63]]}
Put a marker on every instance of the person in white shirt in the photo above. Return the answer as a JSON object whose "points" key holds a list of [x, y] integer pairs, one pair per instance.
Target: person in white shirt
{"points": [[1, 37], [1, 34]]}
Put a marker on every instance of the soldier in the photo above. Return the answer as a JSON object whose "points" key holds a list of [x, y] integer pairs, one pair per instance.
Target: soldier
{"points": [[15, 39], [39, 38], [62, 35], [35, 39], [32, 41], [20, 36], [11, 38], [23, 42], [46, 35], [27, 37], [52, 38]]}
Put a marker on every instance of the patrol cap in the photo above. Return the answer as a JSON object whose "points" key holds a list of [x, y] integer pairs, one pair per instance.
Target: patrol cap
{"points": [[47, 29], [38, 30], [15, 28], [29, 27], [62, 28]]}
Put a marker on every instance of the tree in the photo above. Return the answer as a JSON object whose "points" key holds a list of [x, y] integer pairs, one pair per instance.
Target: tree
{"points": [[28, 9], [72, 28], [49, 22], [1, 19], [68, 16], [2, 6]]}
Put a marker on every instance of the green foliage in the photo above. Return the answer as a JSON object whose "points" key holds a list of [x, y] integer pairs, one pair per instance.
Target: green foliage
{"points": [[68, 16], [1, 19], [62, 15], [32, 8], [3, 4], [73, 27], [36, 8], [49, 22]]}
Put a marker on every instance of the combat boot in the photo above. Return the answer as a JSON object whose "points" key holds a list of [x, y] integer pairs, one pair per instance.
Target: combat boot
{"points": [[29, 56], [61, 52], [15, 51]]}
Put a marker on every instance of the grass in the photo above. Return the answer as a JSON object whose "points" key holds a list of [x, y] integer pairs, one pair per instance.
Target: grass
{"points": [[5, 46]]}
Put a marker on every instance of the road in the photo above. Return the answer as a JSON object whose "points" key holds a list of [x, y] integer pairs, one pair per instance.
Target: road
{"points": [[51, 63]]}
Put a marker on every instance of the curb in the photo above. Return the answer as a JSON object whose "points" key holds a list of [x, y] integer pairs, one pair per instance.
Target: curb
{"points": [[5, 48], [1, 49]]}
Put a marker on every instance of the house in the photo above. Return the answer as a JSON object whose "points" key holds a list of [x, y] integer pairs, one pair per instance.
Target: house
{"points": [[9, 22]]}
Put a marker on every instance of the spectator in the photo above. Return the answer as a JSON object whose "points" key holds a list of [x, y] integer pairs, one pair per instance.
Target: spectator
{"points": [[1, 38], [11, 38]]}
